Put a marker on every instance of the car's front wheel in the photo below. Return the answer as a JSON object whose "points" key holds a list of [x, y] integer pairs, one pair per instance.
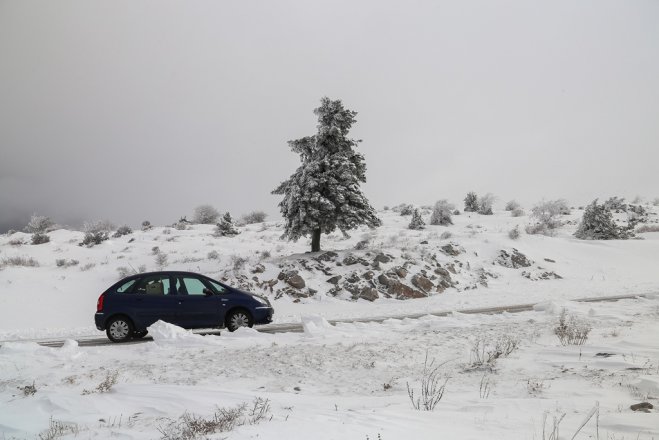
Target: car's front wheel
{"points": [[239, 318], [119, 329]]}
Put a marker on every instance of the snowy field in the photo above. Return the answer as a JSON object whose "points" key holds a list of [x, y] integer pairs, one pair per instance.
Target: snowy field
{"points": [[349, 381], [506, 376]]}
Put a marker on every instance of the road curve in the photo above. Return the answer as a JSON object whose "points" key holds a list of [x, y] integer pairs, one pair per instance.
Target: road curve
{"points": [[93, 341]]}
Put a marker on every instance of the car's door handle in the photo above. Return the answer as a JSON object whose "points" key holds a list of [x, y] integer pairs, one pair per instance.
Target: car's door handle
{"points": [[180, 302]]}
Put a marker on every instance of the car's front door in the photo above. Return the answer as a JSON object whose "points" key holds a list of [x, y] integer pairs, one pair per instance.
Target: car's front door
{"points": [[198, 305]]}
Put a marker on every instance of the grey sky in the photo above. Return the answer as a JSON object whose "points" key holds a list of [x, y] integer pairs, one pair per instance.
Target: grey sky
{"points": [[132, 110]]}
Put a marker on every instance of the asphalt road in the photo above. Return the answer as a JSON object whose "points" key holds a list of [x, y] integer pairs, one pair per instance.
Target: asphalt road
{"points": [[93, 341]]}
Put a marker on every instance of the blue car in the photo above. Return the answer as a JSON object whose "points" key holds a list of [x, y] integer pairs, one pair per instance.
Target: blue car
{"points": [[186, 299]]}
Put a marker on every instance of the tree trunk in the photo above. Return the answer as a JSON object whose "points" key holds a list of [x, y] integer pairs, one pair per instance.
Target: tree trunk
{"points": [[315, 240]]}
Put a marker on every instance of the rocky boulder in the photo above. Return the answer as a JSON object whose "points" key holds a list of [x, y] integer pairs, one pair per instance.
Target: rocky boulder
{"points": [[402, 291], [423, 283], [515, 259]]}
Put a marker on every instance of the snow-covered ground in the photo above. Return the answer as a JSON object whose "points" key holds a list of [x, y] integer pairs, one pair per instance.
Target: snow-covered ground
{"points": [[52, 301], [349, 381]]}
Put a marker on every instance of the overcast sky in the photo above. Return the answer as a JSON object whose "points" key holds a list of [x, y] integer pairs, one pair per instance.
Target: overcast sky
{"points": [[132, 110]]}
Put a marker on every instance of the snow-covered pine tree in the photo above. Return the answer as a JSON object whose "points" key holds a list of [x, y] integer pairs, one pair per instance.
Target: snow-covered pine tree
{"points": [[416, 222], [441, 213], [471, 202], [225, 227], [323, 194], [597, 224]]}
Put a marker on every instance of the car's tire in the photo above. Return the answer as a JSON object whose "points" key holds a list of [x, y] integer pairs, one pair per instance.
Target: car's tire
{"points": [[238, 318], [119, 329], [139, 334]]}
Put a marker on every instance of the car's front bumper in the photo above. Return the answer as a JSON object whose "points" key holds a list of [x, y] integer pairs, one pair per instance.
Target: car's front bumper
{"points": [[263, 315]]}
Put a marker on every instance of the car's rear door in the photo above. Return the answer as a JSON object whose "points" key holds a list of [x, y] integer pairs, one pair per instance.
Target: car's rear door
{"points": [[154, 300], [198, 305]]}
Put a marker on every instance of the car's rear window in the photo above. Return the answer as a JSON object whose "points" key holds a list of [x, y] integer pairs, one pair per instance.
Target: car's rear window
{"points": [[125, 287]]}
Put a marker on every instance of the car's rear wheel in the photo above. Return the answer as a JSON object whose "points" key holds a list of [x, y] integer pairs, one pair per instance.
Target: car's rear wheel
{"points": [[119, 329], [140, 334], [239, 318]]}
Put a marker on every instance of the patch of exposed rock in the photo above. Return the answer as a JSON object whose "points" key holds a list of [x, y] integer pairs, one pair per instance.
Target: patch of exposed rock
{"points": [[515, 259]]}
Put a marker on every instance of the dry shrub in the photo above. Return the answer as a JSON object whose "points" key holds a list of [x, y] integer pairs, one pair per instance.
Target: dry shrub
{"points": [[570, 330]]}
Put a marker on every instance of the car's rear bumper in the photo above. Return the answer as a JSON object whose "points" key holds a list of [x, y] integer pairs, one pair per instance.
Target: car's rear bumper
{"points": [[99, 319], [263, 315]]}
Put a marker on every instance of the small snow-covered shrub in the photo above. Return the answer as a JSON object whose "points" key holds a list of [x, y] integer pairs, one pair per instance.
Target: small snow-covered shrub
{"points": [[146, 225], [39, 238], [105, 385], [433, 385], [517, 212], [253, 217], [441, 213], [485, 352], [238, 263], [265, 254], [19, 262], [445, 235], [121, 231], [155, 250], [39, 224], [615, 204], [597, 224], [191, 427], [205, 215], [404, 209], [416, 222], [512, 205], [16, 242], [124, 272], [514, 233], [57, 429], [570, 330], [95, 233], [655, 202], [161, 260], [485, 204], [471, 202], [213, 255], [647, 228], [361, 245], [62, 262], [546, 214], [87, 266]]}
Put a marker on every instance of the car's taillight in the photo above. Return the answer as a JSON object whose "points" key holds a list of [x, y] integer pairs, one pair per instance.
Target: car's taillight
{"points": [[99, 303]]}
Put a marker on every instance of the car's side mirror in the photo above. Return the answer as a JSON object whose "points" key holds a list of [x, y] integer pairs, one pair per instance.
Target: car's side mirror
{"points": [[207, 291]]}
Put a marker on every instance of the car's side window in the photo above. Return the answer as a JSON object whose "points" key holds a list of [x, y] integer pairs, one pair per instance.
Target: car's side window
{"points": [[125, 287], [154, 285], [193, 286], [217, 286]]}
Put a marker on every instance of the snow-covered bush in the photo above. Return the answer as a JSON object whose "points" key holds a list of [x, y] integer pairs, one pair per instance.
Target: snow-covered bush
{"points": [[441, 213], [205, 215], [485, 204], [445, 235], [95, 233], [38, 226], [253, 217], [517, 212], [161, 260], [512, 205], [647, 228], [403, 209], [655, 202], [19, 262], [546, 215], [416, 222], [433, 385], [39, 238], [514, 233], [146, 225], [485, 352], [62, 262], [213, 255], [324, 193], [597, 224], [122, 230], [225, 227], [615, 204], [571, 330], [471, 202]]}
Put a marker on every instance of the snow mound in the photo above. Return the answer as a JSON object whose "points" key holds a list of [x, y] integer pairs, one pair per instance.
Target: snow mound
{"points": [[164, 333], [316, 325]]}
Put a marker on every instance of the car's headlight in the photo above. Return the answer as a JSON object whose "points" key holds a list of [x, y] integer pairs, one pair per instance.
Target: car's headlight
{"points": [[262, 300]]}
